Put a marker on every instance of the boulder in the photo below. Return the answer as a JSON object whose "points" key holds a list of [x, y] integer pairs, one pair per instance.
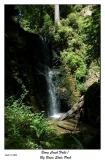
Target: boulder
{"points": [[92, 105]]}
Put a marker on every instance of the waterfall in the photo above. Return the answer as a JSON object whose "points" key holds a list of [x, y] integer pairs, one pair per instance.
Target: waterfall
{"points": [[53, 102]]}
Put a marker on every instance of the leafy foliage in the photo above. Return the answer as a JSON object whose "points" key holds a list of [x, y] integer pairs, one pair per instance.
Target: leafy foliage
{"points": [[76, 40], [75, 63], [35, 16], [77, 32], [24, 129], [92, 31]]}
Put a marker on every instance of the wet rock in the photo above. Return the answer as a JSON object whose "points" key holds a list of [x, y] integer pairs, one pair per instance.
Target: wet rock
{"points": [[26, 58]]}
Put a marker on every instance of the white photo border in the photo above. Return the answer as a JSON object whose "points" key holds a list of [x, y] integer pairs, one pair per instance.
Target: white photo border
{"points": [[35, 154]]}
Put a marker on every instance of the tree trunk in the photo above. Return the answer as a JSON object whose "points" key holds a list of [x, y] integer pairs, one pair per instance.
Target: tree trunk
{"points": [[57, 14]]}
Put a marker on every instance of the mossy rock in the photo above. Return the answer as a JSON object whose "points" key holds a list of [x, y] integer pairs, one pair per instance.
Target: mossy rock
{"points": [[70, 84]]}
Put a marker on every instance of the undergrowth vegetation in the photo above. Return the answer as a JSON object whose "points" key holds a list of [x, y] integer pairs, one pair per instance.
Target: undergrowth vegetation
{"points": [[27, 130]]}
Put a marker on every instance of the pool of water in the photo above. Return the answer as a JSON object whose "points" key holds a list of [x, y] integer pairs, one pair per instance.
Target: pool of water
{"points": [[56, 116]]}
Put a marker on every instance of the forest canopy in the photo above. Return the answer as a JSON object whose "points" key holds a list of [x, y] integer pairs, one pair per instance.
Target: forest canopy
{"points": [[83, 21]]}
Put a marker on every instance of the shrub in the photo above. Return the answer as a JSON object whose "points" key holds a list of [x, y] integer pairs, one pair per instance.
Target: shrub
{"points": [[76, 64], [47, 21], [82, 88], [24, 129], [81, 73]]}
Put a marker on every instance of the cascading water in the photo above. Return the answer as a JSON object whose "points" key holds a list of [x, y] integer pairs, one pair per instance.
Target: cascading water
{"points": [[50, 74], [54, 104]]}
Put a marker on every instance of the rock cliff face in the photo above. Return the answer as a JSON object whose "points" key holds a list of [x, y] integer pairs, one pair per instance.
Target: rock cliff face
{"points": [[92, 105], [26, 60]]}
